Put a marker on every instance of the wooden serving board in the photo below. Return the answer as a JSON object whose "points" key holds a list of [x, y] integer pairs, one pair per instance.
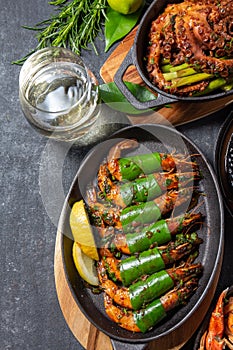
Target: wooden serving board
{"points": [[81, 328], [92, 339], [178, 113]]}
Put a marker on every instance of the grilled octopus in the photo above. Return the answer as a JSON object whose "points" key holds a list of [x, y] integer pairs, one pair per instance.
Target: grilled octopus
{"points": [[199, 32]]}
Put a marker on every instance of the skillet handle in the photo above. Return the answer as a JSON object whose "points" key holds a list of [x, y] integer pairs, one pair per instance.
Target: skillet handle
{"points": [[161, 100], [117, 345]]}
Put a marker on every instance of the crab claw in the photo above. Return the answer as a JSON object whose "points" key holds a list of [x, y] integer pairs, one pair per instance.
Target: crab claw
{"points": [[228, 312], [214, 337]]}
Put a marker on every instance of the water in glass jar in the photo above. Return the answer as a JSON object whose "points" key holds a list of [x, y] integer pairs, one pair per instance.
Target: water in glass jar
{"points": [[64, 98]]}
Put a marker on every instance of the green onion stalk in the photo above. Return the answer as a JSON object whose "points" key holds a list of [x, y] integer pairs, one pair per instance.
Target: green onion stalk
{"points": [[187, 74]]}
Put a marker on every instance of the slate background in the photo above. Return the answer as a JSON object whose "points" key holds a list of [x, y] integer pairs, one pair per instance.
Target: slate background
{"points": [[30, 314]]}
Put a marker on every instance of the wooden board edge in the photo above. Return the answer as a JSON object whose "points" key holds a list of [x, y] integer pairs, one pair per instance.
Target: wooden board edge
{"points": [[86, 334]]}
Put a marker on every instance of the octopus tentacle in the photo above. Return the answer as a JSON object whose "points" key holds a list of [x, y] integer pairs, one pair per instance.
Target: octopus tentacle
{"points": [[197, 32]]}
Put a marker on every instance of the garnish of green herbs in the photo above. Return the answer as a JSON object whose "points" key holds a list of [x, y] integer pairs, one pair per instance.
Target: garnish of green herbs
{"points": [[75, 25], [118, 25]]}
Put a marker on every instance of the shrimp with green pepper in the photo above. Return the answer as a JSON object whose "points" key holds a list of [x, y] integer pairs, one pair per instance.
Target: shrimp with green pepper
{"points": [[146, 318], [143, 291], [129, 168], [150, 261], [142, 189], [158, 233], [103, 214]]}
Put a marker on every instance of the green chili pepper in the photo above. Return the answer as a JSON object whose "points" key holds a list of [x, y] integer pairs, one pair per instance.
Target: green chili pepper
{"points": [[131, 167], [155, 285], [158, 233], [147, 262], [148, 317], [141, 190], [142, 213], [154, 260]]}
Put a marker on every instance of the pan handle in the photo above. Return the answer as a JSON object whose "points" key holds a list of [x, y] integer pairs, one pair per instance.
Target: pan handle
{"points": [[161, 100], [117, 345]]}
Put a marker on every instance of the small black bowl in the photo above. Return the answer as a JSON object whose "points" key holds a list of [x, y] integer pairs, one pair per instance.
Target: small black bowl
{"points": [[224, 161]]}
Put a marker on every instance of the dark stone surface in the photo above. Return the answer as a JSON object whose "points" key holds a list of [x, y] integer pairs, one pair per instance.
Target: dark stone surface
{"points": [[30, 314]]}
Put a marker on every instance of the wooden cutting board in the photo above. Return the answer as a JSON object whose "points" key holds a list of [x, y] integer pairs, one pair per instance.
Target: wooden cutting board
{"points": [[81, 328], [178, 113]]}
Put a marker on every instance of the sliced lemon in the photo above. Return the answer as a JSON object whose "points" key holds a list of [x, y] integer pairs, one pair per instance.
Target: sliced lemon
{"points": [[82, 231], [126, 6], [84, 265]]}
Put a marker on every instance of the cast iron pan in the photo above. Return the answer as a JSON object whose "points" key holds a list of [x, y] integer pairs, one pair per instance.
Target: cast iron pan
{"points": [[136, 57], [152, 138], [224, 161]]}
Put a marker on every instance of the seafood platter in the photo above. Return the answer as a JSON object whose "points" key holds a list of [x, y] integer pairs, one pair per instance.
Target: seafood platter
{"points": [[216, 330], [183, 52], [156, 214]]}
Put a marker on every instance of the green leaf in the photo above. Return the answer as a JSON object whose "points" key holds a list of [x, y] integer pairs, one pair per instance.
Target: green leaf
{"points": [[112, 96], [118, 25]]}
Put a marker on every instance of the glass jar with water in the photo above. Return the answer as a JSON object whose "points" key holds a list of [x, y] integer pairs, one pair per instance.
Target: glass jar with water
{"points": [[58, 95]]}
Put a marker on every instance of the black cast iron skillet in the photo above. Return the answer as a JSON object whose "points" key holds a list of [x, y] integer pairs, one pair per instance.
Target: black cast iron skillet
{"points": [[224, 161], [136, 57], [152, 138]]}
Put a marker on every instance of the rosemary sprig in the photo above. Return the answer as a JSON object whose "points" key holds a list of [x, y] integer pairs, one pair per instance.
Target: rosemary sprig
{"points": [[75, 25]]}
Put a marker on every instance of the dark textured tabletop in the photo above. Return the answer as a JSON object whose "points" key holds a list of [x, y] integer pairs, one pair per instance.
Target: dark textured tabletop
{"points": [[30, 314]]}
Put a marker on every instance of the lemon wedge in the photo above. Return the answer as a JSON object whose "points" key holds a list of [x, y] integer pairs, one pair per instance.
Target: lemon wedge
{"points": [[125, 7], [85, 265], [82, 231]]}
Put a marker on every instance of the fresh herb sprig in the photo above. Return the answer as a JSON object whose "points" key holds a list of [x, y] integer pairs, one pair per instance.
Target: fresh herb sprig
{"points": [[75, 25]]}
